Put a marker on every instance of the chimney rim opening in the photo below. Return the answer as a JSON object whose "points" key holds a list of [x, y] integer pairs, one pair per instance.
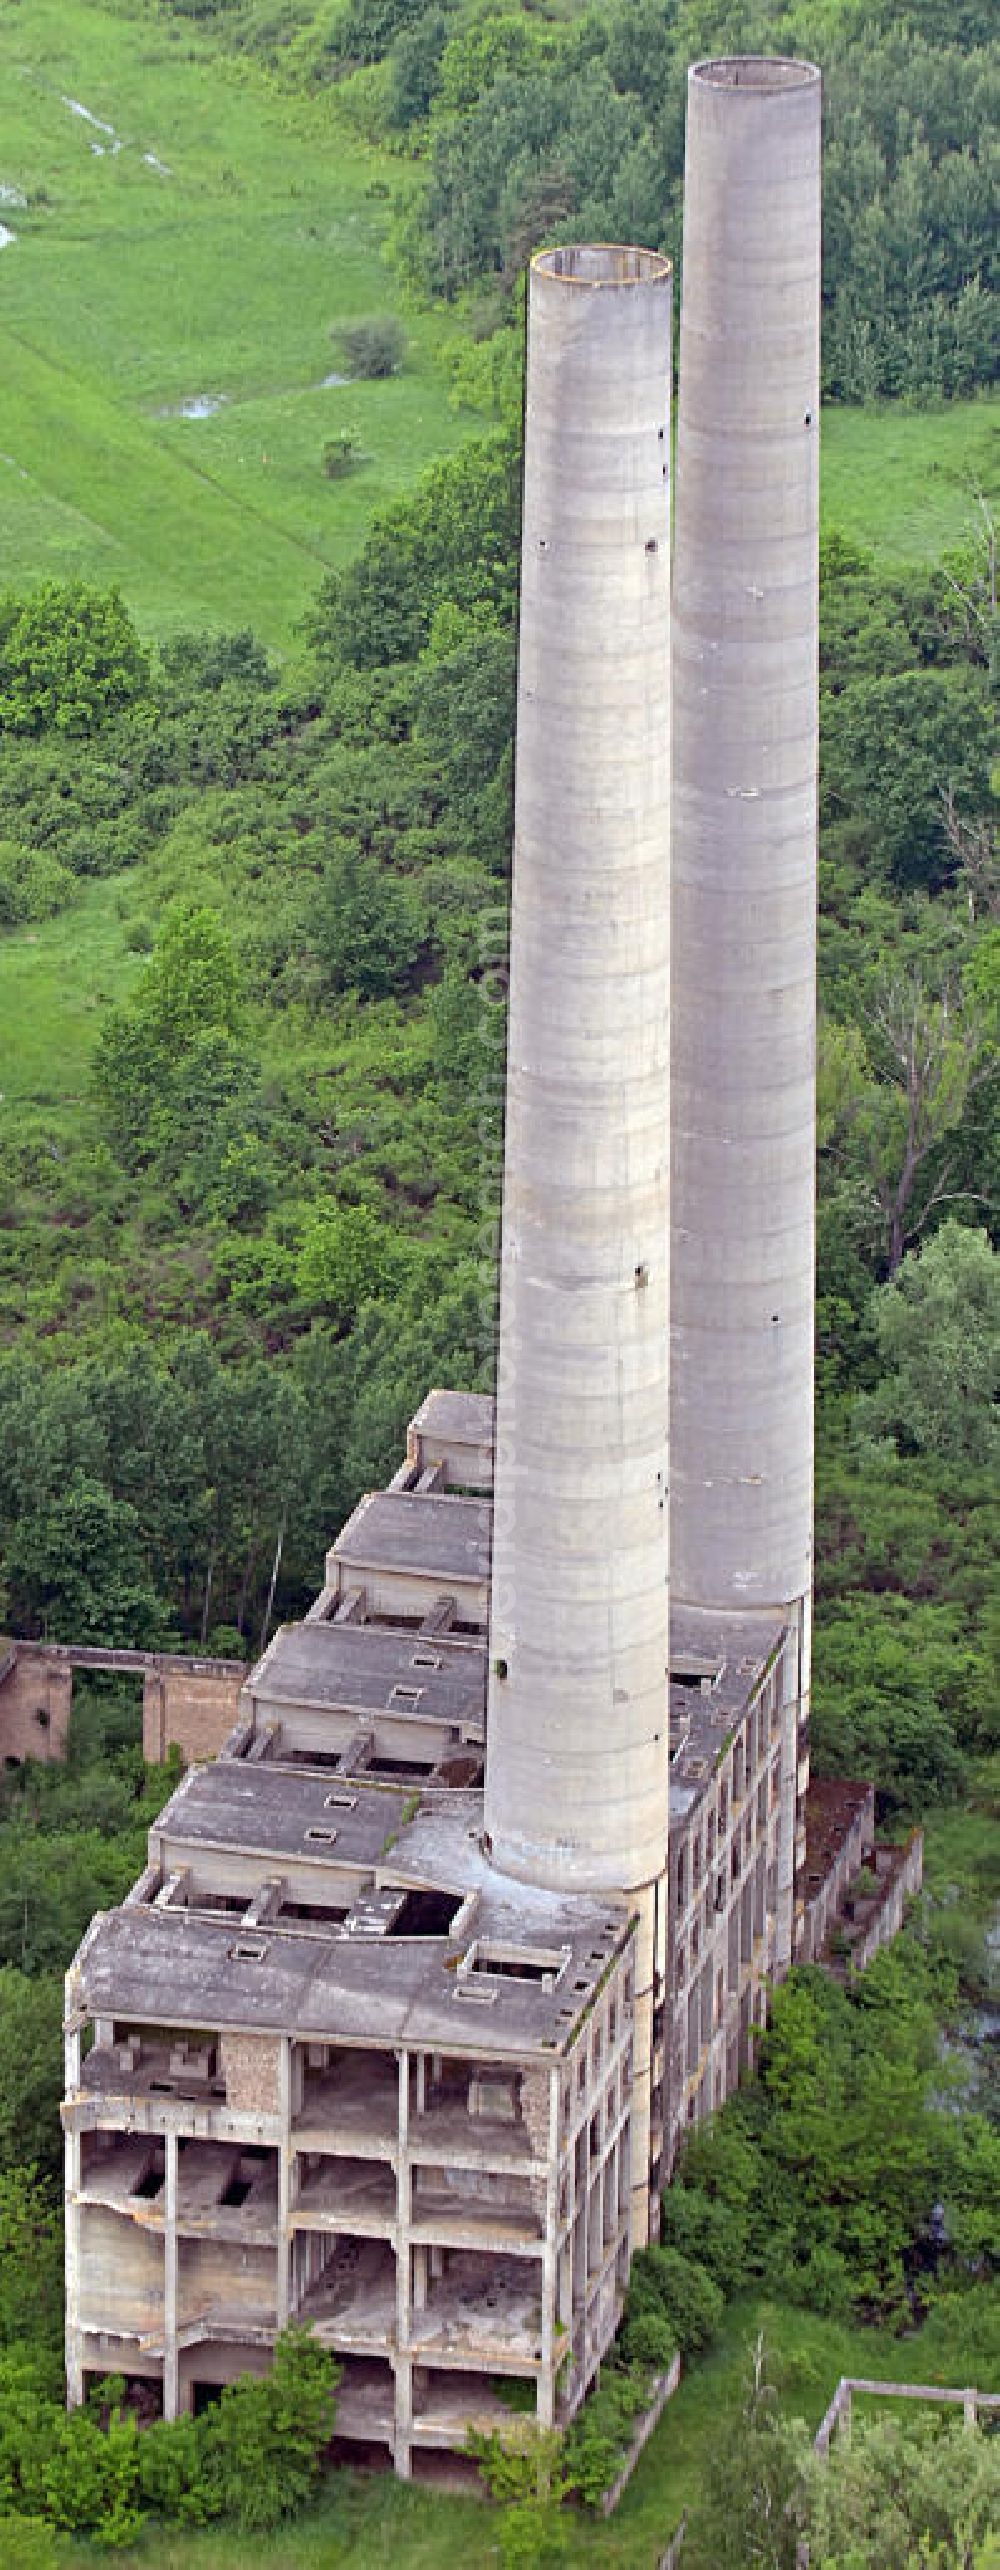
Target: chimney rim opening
{"points": [[758, 75], [603, 263]]}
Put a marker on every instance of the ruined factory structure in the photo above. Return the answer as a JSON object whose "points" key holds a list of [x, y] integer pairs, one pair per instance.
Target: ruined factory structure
{"points": [[341, 2069], [476, 1909]]}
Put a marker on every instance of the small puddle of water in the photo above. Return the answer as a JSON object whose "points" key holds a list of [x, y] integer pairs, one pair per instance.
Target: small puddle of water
{"points": [[6, 236], [327, 380]]}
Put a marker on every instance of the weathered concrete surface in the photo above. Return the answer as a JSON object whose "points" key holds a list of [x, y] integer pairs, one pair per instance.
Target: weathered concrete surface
{"points": [[745, 641], [576, 1787], [36, 1693], [745, 644], [191, 1707]]}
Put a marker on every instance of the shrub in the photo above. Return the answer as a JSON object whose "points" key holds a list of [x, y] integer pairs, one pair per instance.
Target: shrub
{"points": [[600, 2436], [649, 2340], [261, 2446], [90, 2478], [704, 2227], [340, 454], [33, 884], [681, 2289], [373, 348]]}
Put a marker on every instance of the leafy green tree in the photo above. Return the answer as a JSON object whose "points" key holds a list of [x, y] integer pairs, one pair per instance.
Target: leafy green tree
{"points": [[346, 1259], [900, 2494], [69, 658], [373, 348], [33, 884], [366, 925], [455, 538], [30, 2072], [31, 2262], [183, 1006], [89, 2481], [889, 1696], [938, 1333], [75, 1571]]}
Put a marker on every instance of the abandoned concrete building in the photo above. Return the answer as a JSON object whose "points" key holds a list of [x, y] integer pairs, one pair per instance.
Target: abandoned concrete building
{"points": [[476, 1909], [341, 2069]]}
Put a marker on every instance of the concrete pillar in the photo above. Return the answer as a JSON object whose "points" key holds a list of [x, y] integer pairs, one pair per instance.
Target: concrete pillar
{"points": [[546, 2394], [170, 2361], [745, 652], [284, 2253], [73, 2025], [576, 1776], [403, 2426]]}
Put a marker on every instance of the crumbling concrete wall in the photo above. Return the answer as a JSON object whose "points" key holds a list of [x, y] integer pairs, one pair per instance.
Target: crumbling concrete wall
{"points": [[901, 1872], [252, 2072], [121, 2273], [36, 1691]]}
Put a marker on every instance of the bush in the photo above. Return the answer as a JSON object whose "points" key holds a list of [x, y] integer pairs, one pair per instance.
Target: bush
{"points": [[680, 2289], [649, 2340], [261, 2446], [33, 884], [373, 348], [599, 2438], [340, 455], [708, 2230]]}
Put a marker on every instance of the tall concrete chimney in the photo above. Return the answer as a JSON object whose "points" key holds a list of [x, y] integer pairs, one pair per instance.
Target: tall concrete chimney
{"points": [[577, 1760], [745, 601]]}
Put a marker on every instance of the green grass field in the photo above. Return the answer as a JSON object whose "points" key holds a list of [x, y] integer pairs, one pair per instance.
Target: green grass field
{"points": [[199, 241], [906, 482], [54, 982], [204, 246]]}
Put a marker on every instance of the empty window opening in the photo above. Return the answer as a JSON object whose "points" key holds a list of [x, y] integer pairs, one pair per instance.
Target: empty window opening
{"points": [[340, 1800], [426, 1660], [321, 1836], [237, 2190], [150, 2184], [247, 1953]]}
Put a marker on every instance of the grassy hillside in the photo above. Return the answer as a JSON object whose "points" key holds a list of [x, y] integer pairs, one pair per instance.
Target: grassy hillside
{"points": [[194, 235], [190, 234]]}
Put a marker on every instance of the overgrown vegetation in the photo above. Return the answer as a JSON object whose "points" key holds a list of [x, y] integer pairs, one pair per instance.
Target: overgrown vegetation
{"points": [[252, 2457]]}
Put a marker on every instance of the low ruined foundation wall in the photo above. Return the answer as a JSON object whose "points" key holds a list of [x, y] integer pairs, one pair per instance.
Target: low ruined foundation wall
{"points": [[35, 1698], [903, 1884], [193, 1703], [191, 1706]]}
